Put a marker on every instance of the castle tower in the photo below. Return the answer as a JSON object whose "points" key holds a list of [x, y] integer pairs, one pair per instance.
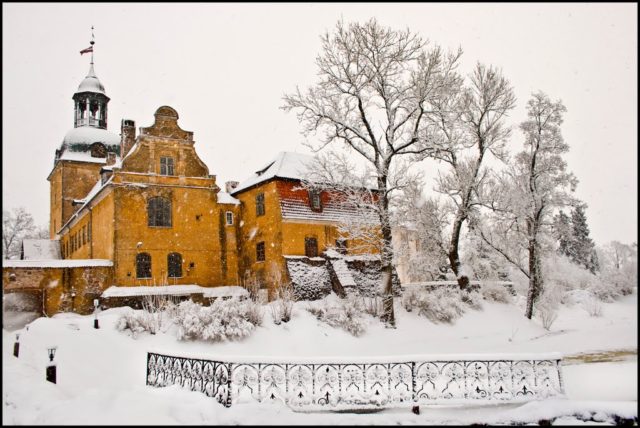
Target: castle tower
{"points": [[84, 150]]}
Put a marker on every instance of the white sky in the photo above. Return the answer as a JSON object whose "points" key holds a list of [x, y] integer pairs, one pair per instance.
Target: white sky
{"points": [[225, 68]]}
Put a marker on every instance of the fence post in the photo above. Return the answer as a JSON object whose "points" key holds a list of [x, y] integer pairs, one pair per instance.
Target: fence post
{"points": [[228, 404]]}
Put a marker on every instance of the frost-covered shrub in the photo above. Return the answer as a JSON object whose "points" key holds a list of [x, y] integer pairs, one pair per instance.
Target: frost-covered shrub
{"points": [[593, 306], [410, 299], [495, 293], [254, 312], [282, 307], [372, 305], [223, 320], [347, 314], [472, 298], [441, 304], [547, 314], [137, 322]]}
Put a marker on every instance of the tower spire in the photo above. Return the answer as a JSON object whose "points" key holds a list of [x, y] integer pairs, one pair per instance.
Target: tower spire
{"points": [[92, 43]]}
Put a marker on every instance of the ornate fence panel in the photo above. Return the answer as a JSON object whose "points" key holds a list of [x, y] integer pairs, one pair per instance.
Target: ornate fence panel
{"points": [[363, 384]]}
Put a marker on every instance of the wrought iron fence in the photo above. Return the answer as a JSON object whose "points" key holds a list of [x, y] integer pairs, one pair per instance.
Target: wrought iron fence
{"points": [[361, 384]]}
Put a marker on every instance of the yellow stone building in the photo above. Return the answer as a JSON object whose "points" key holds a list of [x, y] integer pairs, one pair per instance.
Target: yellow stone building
{"points": [[143, 210]]}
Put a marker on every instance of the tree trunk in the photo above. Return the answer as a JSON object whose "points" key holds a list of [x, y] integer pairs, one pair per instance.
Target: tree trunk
{"points": [[454, 256], [388, 315], [535, 278]]}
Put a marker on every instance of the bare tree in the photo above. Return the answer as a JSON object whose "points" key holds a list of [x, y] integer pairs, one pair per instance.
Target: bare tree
{"points": [[527, 193], [375, 90], [471, 125], [16, 226]]}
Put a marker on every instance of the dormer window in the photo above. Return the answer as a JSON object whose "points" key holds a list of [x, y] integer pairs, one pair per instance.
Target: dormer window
{"points": [[166, 166], [314, 200]]}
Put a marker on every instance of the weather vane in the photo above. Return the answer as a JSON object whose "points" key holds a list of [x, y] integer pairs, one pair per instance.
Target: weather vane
{"points": [[90, 48]]}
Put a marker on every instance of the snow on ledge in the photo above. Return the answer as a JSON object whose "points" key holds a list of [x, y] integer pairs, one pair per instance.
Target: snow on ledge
{"points": [[66, 263], [547, 356], [174, 290]]}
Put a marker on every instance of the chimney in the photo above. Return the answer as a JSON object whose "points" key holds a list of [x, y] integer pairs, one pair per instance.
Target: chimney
{"points": [[127, 136], [111, 158], [230, 186]]}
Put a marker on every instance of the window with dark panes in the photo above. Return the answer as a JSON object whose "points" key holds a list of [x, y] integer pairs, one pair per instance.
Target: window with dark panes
{"points": [[143, 265], [314, 199], [229, 218], [310, 246], [260, 255], [166, 166], [260, 204], [341, 246], [159, 211], [174, 263]]}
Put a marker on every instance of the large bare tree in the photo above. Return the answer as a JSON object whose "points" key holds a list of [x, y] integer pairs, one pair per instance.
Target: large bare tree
{"points": [[17, 225], [376, 88], [471, 126], [528, 192]]}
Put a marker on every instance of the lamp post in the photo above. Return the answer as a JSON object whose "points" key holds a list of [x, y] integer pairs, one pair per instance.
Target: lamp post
{"points": [[95, 313], [16, 346], [73, 297], [51, 367]]}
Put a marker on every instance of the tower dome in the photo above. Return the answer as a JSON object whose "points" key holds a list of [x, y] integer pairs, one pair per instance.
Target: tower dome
{"points": [[91, 83]]}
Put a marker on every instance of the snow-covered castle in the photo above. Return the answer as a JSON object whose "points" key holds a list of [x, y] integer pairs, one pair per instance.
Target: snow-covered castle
{"points": [[142, 209]]}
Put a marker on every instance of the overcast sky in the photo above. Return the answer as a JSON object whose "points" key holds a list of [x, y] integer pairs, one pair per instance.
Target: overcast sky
{"points": [[225, 68]]}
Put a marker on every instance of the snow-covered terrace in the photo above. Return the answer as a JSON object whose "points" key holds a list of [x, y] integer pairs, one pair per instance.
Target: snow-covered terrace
{"points": [[52, 263], [175, 290]]}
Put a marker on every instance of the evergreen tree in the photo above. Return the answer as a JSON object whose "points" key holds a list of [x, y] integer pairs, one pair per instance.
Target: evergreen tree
{"points": [[582, 249], [563, 233]]}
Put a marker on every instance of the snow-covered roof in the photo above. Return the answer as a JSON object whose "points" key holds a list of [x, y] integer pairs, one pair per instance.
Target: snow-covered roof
{"points": [[90, 135], [225, 198], [41, 249], [81, 157], [91, 83], [295, 209], [66, 263], [92, 193], [175, 290], [284, 165]]}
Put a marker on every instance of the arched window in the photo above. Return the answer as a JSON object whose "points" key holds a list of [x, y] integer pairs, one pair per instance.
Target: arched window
{"points": [[143, 265], [174, 263], [159, 211]]}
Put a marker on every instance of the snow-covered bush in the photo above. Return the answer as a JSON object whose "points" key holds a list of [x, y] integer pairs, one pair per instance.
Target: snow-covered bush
{"points": [[372, 305], [347, 314], [410, 299], [282, 307], [254, 311], [547, 304], [495, 293], [137, 322], [593, 306], [472, 298], [441, 304], [223, 320], [547, 314]]}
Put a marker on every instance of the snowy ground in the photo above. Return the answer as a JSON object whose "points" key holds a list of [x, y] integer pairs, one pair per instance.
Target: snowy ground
{"points": [[101, 373]]}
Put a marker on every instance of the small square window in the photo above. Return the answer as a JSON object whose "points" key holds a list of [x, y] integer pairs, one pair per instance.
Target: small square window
{"points": [[229, 218], [314, 199]]}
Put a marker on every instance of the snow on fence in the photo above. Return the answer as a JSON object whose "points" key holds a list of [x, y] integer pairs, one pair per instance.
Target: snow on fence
{"points": [[364, 384]]}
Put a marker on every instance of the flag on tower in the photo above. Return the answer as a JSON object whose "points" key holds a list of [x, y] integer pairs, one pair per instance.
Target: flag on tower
{"points": [[87, 50]]}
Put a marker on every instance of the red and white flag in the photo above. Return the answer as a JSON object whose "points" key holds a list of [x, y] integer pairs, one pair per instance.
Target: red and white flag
{"points": [[87, 50]]}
